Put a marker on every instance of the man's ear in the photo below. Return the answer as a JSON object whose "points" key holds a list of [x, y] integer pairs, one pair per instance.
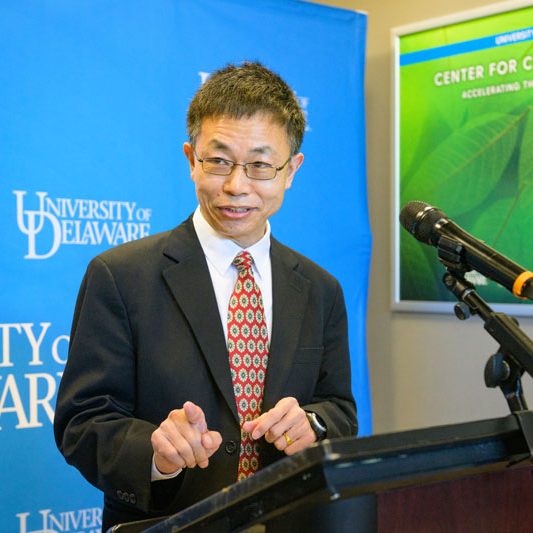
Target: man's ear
{"points": [[189, 154], [292, 166]]}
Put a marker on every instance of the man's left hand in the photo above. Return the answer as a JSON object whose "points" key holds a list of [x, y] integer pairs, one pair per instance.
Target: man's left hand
{"points": [[285, 425]]}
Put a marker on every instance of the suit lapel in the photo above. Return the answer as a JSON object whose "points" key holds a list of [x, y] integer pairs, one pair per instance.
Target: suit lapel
{"points": [[190, 283], [290, 293]]}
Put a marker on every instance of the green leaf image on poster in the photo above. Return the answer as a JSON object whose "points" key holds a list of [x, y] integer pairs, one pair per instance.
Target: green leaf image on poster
{"points": [[464, 144]]}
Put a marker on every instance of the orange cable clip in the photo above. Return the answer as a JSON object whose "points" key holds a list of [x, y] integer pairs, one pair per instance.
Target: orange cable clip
{"points": [[520, 281]]}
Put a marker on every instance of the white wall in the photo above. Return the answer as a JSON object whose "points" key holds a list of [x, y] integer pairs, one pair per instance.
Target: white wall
{"points": [[425, 369]]}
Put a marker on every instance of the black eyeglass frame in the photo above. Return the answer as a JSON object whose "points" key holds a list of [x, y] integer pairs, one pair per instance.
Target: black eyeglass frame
{"points": [[244, 165]]}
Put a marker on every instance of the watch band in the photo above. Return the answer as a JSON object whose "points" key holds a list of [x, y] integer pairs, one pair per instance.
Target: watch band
{"points": [[317, 425]]}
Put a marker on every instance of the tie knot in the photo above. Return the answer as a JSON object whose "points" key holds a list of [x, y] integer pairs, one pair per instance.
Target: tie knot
{"points": [[243, 261]]}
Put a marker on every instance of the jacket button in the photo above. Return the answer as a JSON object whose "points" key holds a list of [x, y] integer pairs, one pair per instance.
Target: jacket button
{"points": [[230, 446]]}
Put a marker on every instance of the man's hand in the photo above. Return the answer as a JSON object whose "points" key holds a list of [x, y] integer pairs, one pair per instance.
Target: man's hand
{"points": [[183, 440], [285, 425]]}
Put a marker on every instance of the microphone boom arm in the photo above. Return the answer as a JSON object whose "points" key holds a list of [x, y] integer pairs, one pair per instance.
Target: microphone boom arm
{"points": [[515, 355]]}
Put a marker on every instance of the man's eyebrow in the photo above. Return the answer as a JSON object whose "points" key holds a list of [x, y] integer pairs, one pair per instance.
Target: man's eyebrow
{"points": [[219, 145], [260, 150]]}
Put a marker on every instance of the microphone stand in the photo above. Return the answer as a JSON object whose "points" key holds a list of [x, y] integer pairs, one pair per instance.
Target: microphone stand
{"points": [[504, 369]]}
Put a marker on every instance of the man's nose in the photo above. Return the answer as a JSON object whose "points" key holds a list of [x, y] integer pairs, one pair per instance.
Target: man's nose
{"points": [[237, 182]]}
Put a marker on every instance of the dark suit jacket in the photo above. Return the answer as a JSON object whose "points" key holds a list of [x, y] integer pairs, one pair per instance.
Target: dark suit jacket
{"points": [[147, 336]]}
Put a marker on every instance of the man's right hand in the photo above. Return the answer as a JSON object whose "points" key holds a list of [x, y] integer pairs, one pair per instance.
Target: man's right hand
{"points": [[183, 440]]}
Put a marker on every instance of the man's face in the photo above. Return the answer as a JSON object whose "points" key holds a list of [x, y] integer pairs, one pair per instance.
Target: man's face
{"points": [[236, 206]]}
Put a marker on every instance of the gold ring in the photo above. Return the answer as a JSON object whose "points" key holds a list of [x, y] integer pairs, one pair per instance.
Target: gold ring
{"points": [[288, 440]]}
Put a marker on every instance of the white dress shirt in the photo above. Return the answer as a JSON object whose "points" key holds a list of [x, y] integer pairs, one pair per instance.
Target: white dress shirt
{"points": [[220, 253]]}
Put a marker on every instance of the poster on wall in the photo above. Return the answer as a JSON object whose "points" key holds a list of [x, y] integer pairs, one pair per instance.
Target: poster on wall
{"points": [[463, 142]]}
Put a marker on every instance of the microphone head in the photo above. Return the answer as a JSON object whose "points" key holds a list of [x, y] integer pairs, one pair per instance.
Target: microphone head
{"points": [[419, 219]]}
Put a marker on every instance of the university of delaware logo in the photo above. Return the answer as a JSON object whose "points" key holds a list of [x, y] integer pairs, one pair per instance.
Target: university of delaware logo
{"points": [[75, 521], [49, 223]]}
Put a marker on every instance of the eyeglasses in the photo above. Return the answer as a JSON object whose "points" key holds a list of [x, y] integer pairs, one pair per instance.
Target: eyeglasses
{"points": [[224, 167]]}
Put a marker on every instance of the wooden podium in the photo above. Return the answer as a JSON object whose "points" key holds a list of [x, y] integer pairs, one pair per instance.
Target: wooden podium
{"points": [[475, 476]]}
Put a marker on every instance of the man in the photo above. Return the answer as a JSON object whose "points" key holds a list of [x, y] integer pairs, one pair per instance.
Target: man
{"points": [[200, 354]]}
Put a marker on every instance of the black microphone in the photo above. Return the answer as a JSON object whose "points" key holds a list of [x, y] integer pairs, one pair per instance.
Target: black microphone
{"points": [[428, 224]]}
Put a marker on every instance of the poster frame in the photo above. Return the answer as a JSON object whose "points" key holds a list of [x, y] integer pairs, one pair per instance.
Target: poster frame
{"points": [[431, 306]]}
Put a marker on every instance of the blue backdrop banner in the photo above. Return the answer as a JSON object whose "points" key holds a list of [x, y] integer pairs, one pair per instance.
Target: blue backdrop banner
{"points": [[93, 96]]}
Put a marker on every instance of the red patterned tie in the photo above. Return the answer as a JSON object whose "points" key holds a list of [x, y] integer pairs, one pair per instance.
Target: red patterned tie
{"points": [[248, 356]]}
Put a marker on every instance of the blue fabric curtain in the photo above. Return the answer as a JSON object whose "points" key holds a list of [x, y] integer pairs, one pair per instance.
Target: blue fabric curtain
{"points": [[93, 96]]}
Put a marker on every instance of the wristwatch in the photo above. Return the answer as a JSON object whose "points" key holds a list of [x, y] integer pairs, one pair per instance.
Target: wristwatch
{"points": [[317, 425]]}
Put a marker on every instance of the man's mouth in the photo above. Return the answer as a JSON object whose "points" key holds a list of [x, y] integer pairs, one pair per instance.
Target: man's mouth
{"points": [[235, 211]]}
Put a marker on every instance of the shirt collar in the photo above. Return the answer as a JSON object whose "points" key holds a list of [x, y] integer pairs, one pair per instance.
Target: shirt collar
{"points": [[220, 251]]}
